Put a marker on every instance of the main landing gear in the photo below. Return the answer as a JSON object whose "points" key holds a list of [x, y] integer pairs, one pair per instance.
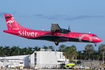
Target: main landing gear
{"points": [[56, 43]]}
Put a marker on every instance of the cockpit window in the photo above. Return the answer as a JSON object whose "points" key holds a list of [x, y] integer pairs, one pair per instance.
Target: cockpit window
{"points": [[94, 35]]}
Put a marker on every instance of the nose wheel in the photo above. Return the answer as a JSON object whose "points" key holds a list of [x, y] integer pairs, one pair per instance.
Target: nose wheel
{"points": [[95, 44]]}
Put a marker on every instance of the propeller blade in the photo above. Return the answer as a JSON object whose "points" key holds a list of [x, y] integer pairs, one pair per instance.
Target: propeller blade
{"points": [[69, 29]]}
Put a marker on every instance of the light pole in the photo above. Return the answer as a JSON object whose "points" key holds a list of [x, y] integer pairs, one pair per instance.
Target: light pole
{"points": [[18, 57], [102, 49], [103, 59]]}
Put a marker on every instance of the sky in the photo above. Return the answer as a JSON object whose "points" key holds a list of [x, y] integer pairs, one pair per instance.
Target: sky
{"points": [[82, 16]]}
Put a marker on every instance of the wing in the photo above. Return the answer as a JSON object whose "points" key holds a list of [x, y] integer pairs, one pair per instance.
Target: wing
{"points": [[55, 27]]}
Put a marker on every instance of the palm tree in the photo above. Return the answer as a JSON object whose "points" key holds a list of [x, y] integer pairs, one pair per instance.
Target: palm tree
{"points": [[51, 47], [89, 49], [45, 47], [24, 50], [66, 52], [79, 53], [84, 56], [1, 50], [61, 47], [29, 50], [98, 57], [36, 48], [93, 56], [70, 52], [14, 50], [74, 52], [81, 56], [6, 50], [101, 48]]}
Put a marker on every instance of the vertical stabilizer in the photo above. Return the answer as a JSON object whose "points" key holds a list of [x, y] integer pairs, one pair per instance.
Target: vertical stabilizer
{"points": [[11, 23]]}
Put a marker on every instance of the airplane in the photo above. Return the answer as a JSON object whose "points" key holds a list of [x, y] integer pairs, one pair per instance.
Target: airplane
{"points": [[56, 34]]}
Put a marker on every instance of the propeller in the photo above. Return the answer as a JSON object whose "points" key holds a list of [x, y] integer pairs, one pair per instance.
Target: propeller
{"points": [[69, 29]]}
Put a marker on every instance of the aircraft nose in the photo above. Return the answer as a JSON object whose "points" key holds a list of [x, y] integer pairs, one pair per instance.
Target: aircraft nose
{"points": [[99, 39]]}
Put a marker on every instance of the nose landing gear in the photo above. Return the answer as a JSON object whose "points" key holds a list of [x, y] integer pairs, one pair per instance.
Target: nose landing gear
{"points": [[95, 44]]}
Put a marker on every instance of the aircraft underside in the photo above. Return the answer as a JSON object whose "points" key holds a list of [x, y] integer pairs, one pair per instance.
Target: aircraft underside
{"points": [[57, 39]]}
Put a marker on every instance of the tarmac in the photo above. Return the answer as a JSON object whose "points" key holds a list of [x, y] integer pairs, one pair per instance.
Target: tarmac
{"points": [[37, 69], [92, 63]]}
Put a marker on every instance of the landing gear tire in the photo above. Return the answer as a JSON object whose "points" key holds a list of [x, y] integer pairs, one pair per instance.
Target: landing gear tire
{"points": [[95, 44], [56, 43]]}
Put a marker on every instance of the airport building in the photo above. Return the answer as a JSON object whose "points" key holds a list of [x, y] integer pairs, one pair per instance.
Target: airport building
{"points": [[41, 59], [14, 61]]}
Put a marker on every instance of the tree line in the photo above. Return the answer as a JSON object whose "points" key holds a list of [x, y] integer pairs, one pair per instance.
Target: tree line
{"points": [[69, 52]]}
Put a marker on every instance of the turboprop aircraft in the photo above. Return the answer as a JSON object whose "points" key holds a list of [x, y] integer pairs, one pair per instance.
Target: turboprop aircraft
{"points": [[56, 34]]}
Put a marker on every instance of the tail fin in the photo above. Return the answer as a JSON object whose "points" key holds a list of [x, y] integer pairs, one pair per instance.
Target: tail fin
{"points": [[11, 23]]}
